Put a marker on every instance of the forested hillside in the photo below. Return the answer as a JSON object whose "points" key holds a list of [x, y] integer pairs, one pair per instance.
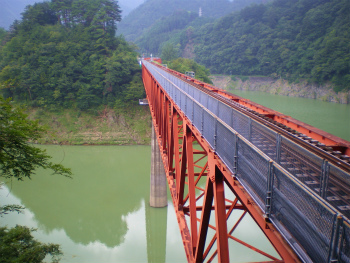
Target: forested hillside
{"points": [[143, 17], [10, 10], [65, 53], [293, 39], [164, 29]]}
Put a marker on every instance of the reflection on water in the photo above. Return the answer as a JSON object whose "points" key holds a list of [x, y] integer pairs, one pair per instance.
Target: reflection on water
{"points": [[330, 117], [102, 214], [156, 233]]}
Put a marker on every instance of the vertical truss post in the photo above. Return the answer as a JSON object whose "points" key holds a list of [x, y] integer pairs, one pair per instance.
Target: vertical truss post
{"points": [[324, 179], [205, 217], [176, 136], [165, 122], [269, 190], [176, 148], [338, 220], [191, 187], [220, 209], [278, 148], [180, 183], [250, 129], [170, 139]]}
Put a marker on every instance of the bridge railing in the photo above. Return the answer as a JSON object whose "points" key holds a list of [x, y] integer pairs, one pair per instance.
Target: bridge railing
{"points": [[315, 230], [303, 164], [323, 178]]}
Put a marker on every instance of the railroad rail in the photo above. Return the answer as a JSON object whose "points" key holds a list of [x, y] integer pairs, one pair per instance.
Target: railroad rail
{"points": [[334, 186], [296, 186]]}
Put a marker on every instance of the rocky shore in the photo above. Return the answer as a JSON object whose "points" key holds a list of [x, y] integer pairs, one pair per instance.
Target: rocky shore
{"points": [[282, 87]]}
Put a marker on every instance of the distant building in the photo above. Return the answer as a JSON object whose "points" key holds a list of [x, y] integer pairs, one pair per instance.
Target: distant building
{"points": [[200, 12]]}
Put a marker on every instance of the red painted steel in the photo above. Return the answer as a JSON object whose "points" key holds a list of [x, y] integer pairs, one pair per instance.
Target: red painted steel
{"points": [[159, 60], [323, 137], [189, 163]]}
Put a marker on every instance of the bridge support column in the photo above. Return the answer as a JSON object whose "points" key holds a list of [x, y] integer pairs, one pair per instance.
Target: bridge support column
{"points": [[158, 193]]}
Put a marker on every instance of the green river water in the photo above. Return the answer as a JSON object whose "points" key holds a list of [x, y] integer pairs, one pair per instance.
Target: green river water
{"points": [[102, 214], [330, 117]]}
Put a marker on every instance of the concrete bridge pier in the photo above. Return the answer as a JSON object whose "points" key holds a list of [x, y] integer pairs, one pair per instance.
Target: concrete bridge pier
{"points": [[158, 193]]}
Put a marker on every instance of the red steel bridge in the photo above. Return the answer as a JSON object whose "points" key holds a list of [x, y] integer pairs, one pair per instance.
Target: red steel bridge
{"points": [[226, 157]]}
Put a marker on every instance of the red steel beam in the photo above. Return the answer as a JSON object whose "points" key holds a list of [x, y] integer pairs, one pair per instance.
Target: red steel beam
{"points": [[183, 163], [313, 132]]}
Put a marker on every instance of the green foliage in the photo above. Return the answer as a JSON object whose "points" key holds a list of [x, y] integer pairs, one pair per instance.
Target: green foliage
{"points": [[19, 159], [298, 39], [169, 52], [65, 53], [4, 210], [151, 40], [18, 245], [184, 64], [139, 21], [2, 35]]}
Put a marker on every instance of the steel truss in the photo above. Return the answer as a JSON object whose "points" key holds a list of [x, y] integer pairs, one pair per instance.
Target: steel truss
{"points": [[190, 162]]}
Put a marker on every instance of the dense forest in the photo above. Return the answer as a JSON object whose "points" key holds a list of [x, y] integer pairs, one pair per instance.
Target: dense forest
{"points": [[148, 13], [164, 29], [65, 53], [294, 39], [11, 9]]}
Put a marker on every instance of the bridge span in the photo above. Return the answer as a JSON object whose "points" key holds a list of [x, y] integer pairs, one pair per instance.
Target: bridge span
{"points": [[225, 157]]}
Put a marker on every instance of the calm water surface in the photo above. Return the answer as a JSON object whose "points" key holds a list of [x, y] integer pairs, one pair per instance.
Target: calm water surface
{"points": [[330, 117], [102, 214]]}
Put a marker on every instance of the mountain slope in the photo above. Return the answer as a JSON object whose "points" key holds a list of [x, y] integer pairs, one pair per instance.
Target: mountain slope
{"points": [[143, 17], [298, 40]]}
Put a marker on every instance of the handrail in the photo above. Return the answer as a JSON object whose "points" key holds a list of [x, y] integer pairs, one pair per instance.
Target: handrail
{"points": [[315, 229]]}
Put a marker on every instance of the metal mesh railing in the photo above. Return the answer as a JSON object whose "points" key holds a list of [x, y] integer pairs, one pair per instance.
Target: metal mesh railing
{"points": [[252, 169], [344, 250], [271, 168], [227, 154], [302, 214]]}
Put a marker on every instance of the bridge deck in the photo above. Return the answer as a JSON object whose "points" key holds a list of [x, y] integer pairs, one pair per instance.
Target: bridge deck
{"points": [[300, 185]]}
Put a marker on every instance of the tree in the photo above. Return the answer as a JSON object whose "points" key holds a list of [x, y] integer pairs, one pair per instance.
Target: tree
{"points": [[18, 245], [19, 159], [39, 13], [169, 52], [67, 63], [184, 64], [2, 35]]}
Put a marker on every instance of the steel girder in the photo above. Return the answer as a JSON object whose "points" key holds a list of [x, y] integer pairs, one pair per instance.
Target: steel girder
{"points": [[190, 162]]}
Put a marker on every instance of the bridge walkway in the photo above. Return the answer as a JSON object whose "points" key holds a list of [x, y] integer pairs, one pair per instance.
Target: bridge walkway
{"points": [[296, 189]]}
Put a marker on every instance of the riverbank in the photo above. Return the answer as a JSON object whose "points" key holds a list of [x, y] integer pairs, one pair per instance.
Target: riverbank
{"points": [[106, 127], [281, 87]]}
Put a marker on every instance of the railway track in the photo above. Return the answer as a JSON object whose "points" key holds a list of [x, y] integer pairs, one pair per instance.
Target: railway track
{"points": [[335, 189]]}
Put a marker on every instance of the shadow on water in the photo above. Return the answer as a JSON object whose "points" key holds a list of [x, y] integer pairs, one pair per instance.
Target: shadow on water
{"points": [[109, 183]]}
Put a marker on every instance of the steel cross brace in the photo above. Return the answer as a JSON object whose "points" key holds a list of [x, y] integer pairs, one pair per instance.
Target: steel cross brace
{"points": [[186, 165]]}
